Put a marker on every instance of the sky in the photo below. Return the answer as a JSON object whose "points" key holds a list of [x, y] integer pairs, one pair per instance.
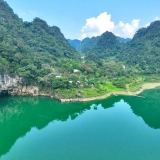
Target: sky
{"points": [[79, 19]]}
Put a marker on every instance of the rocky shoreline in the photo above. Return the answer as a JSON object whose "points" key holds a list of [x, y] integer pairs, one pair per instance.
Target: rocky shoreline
{"points": [[15, 86]]}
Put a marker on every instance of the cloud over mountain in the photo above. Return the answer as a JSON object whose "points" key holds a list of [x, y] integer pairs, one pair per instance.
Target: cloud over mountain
{"points": [[95, 26]]}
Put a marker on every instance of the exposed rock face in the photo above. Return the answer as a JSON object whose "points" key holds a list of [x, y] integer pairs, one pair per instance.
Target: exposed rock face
{"points": [[14, 86]]}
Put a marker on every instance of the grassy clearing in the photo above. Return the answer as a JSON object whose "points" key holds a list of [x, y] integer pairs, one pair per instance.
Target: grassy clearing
{"points": [[132, 84], [109, 87], [86, 92], [89, 92]]}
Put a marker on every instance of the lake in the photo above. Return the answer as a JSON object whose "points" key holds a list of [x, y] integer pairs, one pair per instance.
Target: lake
{"points": [[117, 128]]}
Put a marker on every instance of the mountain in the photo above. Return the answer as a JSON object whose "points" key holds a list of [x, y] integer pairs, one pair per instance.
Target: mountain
{"points": [[32, 50], [89, 43], [75, 43], [106, 46], [85, 45], [144, 49], [123, 40]]}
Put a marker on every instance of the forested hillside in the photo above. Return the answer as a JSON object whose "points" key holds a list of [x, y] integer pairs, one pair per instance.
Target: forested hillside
{"points": [[31, 50], [41, 55], [144, 49], [106, 46]]}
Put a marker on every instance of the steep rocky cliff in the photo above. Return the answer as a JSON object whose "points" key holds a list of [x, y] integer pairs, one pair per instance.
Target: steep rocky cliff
{"points": [[14, 86]]}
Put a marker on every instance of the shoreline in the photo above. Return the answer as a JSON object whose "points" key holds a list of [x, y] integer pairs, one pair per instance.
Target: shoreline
{"points": [[145, 86]]}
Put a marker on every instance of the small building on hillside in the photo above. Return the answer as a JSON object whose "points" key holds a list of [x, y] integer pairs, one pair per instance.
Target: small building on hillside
{"points": [[76, 70], [58, 76], [123, 66], [70, 82]]}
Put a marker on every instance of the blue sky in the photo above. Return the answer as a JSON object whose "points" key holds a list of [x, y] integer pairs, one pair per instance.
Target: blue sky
{"points": [[78, 19]]}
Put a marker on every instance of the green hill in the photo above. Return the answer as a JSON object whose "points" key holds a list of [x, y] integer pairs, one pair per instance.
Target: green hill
{"points": [[144, 49], [106, 46], [32, 50]]}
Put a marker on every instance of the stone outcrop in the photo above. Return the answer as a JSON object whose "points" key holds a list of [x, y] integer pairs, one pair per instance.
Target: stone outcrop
{"points": [[15, 86]]}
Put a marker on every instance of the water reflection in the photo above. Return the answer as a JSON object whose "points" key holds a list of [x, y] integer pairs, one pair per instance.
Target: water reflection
{"points": [[148, 108], [19, 114]]}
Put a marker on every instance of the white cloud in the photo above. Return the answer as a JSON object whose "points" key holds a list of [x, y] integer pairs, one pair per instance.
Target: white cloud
{"points": [[95, 26], [156, 18], [147, 25], [126, 30]]}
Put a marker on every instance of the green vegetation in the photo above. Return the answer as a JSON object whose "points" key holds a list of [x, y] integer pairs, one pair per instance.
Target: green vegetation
{"points": [[31, 50], [100, 90], [42, 56], [88, 44], [144, 49]]}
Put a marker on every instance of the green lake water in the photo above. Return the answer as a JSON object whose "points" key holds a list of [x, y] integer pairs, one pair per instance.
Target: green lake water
{"points": [[117, 128]]}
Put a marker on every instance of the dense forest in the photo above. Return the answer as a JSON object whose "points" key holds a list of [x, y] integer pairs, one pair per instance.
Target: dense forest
{"points": [[88, 43], [41, 55], [31, 50]]}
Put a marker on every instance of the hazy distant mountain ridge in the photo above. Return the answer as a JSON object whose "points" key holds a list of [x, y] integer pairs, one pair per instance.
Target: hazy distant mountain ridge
{"points": [[75, 43], [123, 40], [85, 45], [89, 43]]}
